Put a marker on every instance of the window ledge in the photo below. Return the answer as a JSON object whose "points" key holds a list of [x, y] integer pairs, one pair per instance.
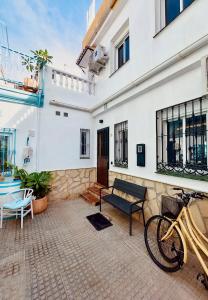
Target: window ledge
{"points": [[172, 20], [187, 176], [84, 157], [114, 72], [122, 167]]}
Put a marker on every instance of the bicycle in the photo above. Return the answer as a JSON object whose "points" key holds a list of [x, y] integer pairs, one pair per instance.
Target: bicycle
{"points": [[166, 235]]}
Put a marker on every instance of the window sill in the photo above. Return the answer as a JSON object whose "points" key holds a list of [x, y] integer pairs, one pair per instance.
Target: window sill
{"points": [[119, 166], [116, 71], [182, 175], [84, 157], [172, 20]]}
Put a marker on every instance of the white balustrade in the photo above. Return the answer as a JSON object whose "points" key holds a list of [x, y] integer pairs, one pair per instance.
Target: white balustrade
{"points": [[72, 82]]}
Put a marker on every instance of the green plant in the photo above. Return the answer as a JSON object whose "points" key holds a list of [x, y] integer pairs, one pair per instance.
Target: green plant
{"points": [[36, 63], [39, 182]]}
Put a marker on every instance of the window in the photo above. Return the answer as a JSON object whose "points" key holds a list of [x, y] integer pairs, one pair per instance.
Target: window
{"points": [[121, 144], [167, 10], [174, 7], [123, 52], [182, 138], [7, 150], [84, 143]]}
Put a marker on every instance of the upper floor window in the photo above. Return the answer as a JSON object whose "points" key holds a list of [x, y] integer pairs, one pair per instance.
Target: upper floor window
{"points": [[167, 10], [123, 53], [174, 7], [121, 144], [182, 135], [84, 143]]}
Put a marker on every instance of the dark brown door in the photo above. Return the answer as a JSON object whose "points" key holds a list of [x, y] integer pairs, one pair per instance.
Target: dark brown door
{"points": [[103, 156]]}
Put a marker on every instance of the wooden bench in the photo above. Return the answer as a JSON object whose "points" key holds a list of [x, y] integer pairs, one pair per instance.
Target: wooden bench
{"points": [[122, 204]]}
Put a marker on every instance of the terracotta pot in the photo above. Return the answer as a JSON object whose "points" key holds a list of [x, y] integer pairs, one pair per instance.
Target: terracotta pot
{"points": [[39, 205], [1, 178]]}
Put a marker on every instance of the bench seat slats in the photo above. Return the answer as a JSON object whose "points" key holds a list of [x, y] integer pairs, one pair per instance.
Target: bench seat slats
{"points": [[121, 203]]}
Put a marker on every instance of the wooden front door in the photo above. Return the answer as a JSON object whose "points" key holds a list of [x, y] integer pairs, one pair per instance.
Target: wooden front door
{"points": [[103, 156]]}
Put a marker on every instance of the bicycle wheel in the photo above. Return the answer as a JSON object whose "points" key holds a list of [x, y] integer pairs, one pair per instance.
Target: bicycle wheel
{"points": [[168, 254]]}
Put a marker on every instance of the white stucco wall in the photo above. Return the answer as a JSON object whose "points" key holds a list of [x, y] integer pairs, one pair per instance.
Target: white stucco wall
{"points": [[146, 50], [140, 112], [23, 118], [59, 143]]}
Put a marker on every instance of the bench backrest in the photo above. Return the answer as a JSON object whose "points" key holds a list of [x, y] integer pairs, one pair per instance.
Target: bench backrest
{"points": [[132, 189]]}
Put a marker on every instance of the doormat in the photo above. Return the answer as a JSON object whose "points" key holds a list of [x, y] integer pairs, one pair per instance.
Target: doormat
{"points": [[99, 221]]}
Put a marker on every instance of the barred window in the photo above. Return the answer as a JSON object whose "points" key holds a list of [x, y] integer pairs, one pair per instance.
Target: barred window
{"points": [[182, 138], [84, 143], [121, 144]]}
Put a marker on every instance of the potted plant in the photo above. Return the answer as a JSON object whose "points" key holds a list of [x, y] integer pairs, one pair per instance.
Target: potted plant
{"points": [[35, 64], [1, 177], [40, 183]]}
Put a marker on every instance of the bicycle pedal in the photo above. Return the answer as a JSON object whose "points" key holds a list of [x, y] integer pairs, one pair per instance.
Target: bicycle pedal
{"points": [[202, 278]]}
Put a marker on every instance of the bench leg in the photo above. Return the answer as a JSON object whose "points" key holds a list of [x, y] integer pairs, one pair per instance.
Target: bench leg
{"points": [[130, 224], [100, 204], [143, 216]]}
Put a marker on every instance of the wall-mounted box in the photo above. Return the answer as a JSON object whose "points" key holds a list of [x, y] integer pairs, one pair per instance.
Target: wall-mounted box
{"points": [[140, 151]]}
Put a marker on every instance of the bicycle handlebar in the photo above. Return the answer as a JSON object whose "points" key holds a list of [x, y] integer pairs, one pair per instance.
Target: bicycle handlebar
{"points": [[187, 196]]}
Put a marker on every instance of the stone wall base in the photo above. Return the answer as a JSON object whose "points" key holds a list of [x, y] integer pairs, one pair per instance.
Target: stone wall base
{"points": [[153, 199], [69, 184]]}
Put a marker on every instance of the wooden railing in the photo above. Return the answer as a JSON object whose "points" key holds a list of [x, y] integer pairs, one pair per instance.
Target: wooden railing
{"points": [[72, 82]]}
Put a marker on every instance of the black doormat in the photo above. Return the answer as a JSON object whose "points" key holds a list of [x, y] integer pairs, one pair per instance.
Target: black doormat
{"points": [[99, 221]]}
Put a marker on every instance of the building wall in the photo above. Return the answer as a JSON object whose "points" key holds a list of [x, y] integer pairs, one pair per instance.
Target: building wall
{"points": [[24, 119], [140, 111], [59, 141], [69, 184], [146, 50]]}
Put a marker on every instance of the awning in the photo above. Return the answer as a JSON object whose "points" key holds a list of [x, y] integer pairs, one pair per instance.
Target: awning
{"points": [[84, 57]]}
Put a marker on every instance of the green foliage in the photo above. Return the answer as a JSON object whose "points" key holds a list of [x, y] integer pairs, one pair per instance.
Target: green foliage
{"points": [[36, 63], [42, 57], [28, 63], [39, 182]]}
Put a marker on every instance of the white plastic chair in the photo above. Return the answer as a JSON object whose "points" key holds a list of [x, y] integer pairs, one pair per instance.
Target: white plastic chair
{"points": [[17, 203]]}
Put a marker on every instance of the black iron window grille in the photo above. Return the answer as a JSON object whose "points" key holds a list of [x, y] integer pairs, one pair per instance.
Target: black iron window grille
{"points": [[121, 144], [182, 134]]}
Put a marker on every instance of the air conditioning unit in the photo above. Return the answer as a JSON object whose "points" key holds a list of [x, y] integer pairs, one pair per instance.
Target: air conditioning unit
{"points": [[100, 55], [98, 60]]}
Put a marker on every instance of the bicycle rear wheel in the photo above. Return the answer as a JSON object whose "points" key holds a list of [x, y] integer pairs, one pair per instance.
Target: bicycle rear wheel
{"points": [[168, 254]]}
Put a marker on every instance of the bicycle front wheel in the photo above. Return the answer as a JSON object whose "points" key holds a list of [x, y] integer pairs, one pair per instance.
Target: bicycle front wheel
{"points": [[166, 254]]}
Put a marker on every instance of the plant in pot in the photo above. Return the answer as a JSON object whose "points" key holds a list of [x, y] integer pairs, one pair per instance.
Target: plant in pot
{"points": [[35, 64], [1, 177], [40, 183]]}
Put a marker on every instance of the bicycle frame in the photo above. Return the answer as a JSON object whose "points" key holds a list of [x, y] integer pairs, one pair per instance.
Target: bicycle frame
{"points": [[192, 234]]}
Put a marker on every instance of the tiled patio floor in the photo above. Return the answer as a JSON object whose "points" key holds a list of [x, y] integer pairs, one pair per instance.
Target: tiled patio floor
{"points": [[59, 255]]}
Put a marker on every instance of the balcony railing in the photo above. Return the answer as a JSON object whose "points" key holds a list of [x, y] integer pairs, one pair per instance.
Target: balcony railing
{"points": [[72, 82], [13, 74]]}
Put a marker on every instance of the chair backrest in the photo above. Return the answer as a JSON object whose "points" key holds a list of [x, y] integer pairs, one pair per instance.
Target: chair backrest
{"points": [[132, 189]]}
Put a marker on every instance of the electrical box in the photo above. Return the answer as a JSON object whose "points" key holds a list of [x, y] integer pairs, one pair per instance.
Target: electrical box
{"points": [[140, 151]]}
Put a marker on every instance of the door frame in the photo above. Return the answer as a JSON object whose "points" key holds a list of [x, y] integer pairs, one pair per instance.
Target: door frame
{"points": [[98, 131]]}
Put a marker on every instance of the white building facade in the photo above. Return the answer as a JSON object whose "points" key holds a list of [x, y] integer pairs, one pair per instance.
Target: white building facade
{"points": [[143, 117]]}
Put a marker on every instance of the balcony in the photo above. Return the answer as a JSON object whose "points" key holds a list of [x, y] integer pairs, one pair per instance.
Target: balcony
{"points": [[17, 85], [72, 82]]}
